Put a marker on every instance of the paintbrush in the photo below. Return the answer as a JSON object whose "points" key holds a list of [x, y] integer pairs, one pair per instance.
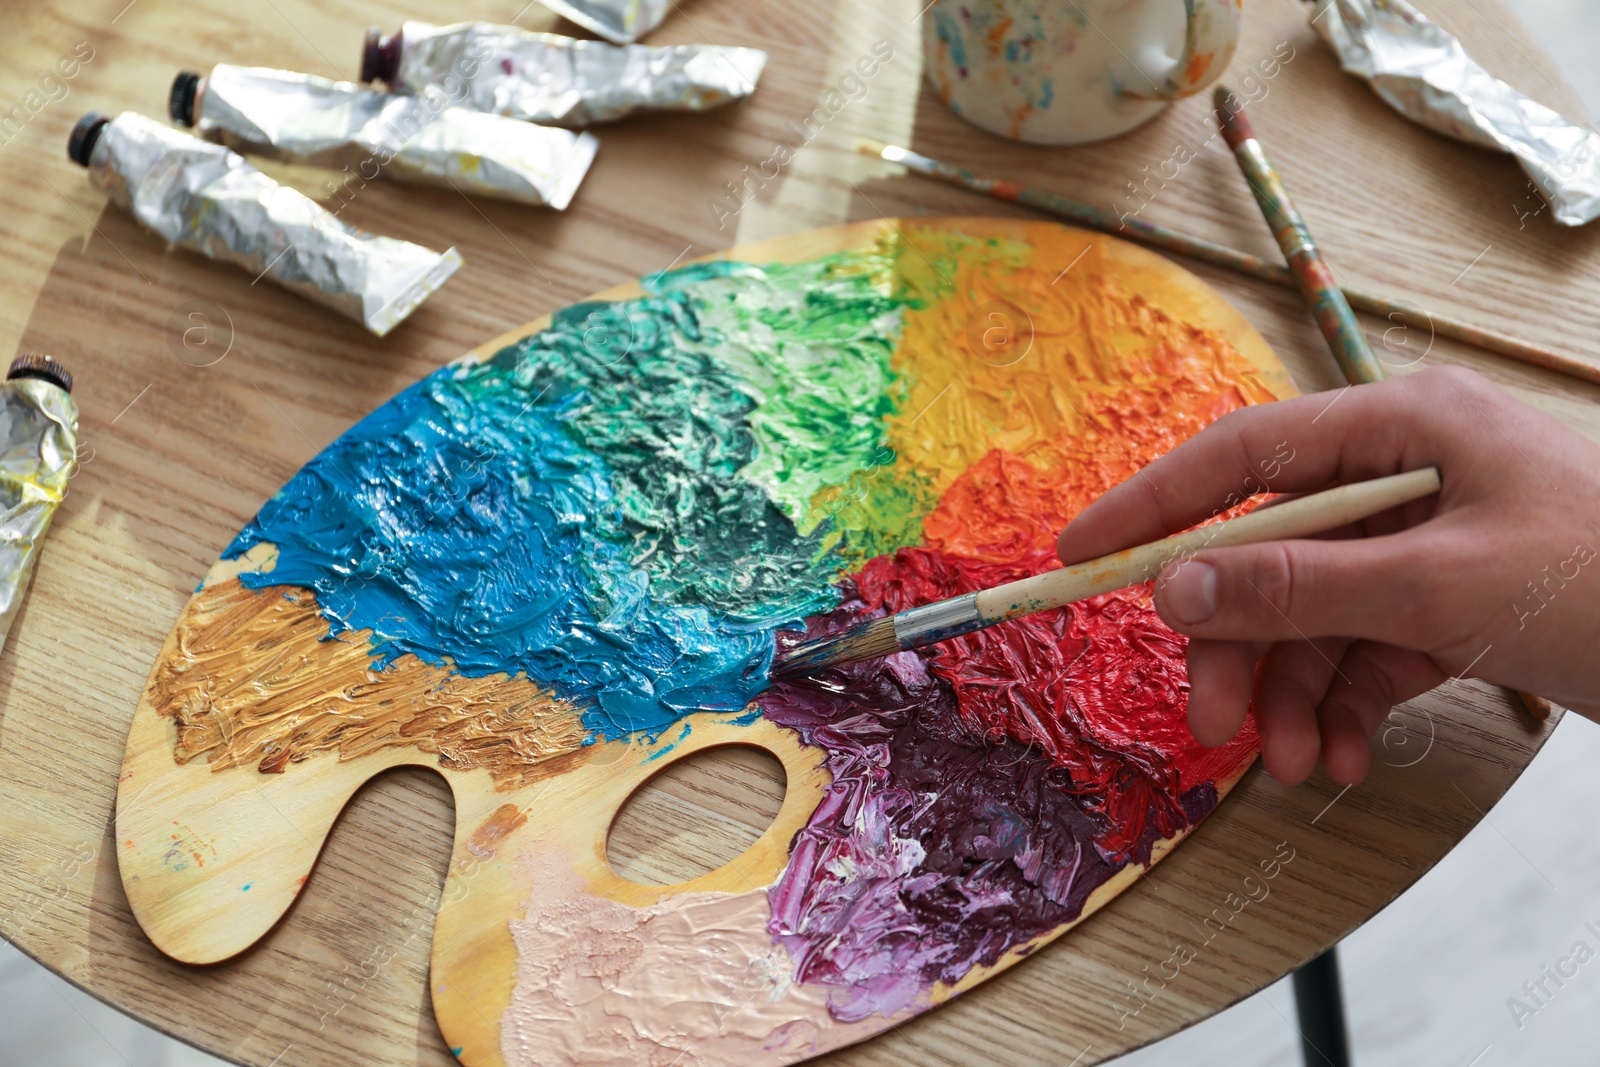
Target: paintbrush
{"points": [[1333, 314], [1298, 517], [1123, 224]]}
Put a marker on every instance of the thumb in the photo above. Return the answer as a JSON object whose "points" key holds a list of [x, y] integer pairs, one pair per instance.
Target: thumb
{"points": [[1371, 588]]}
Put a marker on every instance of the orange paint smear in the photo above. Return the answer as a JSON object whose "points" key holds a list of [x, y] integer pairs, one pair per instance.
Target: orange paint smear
{"points": [[1041, 353], [1038, 383], [505, 821], [254, 678], [997, 37]]}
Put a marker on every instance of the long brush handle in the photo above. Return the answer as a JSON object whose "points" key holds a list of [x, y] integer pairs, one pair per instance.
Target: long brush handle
{"points": [[1300, 517], [1334, 315]]}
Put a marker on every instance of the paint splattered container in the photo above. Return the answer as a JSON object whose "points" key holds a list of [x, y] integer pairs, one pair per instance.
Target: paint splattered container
{"points": [[1065, 73]]}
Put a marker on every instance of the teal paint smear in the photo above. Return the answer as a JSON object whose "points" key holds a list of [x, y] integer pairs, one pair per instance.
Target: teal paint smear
{"points": [[671, 425], [583, 508], [950, 33]]}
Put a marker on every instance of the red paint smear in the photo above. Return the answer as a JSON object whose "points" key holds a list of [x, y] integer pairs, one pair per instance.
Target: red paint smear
{"points": [[1100, 688]]}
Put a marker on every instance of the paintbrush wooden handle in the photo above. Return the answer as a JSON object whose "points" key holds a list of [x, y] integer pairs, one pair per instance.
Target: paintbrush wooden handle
{"points": [[1322, 294], [1300, 517]]}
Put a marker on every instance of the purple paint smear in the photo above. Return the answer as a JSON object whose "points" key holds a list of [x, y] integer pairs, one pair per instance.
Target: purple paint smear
{"points": [[934, 850]]}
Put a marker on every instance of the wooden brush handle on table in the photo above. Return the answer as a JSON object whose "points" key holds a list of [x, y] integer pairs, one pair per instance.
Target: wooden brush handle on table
{"points": [[1299, 517]]}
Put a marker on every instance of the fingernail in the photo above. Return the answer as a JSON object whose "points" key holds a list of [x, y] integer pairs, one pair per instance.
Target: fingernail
{"points": [[1190, 594]]}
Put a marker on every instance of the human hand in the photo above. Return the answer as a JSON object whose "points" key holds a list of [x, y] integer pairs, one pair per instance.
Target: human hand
{"points": [[1493, 578]]}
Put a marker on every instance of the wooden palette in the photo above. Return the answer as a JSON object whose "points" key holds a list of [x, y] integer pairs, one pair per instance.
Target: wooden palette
{"points": [[273, 700]]}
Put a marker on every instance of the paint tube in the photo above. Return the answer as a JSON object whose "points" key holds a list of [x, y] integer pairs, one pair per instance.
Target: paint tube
{"points": [[618, 21], [1423, 72], [207, 198], [556, 80], [302, 118], [39, 436]]}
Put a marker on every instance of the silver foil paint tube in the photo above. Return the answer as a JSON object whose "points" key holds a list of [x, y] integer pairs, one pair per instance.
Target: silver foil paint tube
{"points": [[560, 81], [618, 21], [206, 197], [302, 118], [38, 454], [1423, 72]]}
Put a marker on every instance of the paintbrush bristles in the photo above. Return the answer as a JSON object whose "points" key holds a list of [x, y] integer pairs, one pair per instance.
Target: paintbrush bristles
{"points": [[868, 640]]}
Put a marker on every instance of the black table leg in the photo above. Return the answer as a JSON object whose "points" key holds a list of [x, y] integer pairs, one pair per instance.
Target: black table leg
{"points": [[1320, 1006]]}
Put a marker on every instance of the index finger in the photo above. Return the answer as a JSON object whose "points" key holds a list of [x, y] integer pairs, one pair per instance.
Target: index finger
{"points": [[1298, 445]]}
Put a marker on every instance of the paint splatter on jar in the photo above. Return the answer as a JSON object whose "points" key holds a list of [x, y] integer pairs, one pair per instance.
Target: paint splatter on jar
{"points": [[1057, 73]]}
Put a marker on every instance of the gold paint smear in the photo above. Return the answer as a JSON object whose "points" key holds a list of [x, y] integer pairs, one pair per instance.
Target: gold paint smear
{"points": [[254, 678]]}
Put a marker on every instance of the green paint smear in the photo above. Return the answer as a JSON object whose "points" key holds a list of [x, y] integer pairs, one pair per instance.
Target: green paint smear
{"points": [[881, 508], [669, 422], [812, 345], [929, 263]]}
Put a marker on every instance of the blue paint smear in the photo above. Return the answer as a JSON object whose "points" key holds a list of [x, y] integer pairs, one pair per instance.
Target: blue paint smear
{"points": [[570, 510], [462, 524]]}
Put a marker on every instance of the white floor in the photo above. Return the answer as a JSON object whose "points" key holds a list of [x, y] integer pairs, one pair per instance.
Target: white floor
{"points": [[1426, 982]]}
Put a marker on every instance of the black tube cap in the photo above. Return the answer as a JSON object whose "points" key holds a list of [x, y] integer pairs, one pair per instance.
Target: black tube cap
{"points": [[32, 365], [84, 135], [380, 56], [180, 102]]}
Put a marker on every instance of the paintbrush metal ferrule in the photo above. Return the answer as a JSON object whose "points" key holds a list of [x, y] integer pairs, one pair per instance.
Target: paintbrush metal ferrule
{"points": [[939, 621], [925, 625]]}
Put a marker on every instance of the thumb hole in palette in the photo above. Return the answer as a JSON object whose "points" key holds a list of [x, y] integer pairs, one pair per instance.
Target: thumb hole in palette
{"points": [[696, 814]]}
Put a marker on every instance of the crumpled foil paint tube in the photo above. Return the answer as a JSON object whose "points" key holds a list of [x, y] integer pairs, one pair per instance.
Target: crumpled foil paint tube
{"points": [[205, 197], [618, 21], [38, 454], [1423, 72], [302, 118], [561, 81]]}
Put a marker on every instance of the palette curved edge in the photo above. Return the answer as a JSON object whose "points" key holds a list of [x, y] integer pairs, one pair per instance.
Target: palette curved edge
{"points": [[297, 817]]}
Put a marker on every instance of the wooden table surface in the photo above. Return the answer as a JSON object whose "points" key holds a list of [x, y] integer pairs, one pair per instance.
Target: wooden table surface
{"points": [[182, 444]]}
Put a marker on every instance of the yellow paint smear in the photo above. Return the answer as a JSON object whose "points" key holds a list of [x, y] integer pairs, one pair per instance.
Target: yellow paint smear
{"points": [[1044, 374]]}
